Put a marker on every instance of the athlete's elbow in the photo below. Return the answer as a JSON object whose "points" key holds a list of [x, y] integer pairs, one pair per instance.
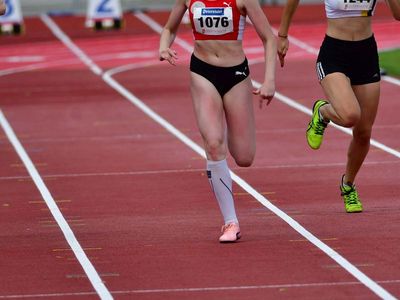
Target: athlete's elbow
{"points": [[270, 42], [395, 12]]}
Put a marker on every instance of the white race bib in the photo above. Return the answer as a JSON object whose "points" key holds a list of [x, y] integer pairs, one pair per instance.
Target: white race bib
{"points": [[356, 4], [213, 20]]}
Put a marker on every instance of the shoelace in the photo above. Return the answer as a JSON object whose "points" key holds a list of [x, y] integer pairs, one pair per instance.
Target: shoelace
{"points": [[350, 196], [320, 127]]}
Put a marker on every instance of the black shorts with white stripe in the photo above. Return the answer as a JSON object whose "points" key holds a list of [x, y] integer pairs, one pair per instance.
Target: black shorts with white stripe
{"points": [[358, 60]]}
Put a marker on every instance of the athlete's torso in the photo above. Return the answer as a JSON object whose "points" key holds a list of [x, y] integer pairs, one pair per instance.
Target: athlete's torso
{"points": [[216, 20]]}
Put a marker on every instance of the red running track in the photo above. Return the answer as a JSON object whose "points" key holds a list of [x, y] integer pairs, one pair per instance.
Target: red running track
{"points": [[136, 197]]}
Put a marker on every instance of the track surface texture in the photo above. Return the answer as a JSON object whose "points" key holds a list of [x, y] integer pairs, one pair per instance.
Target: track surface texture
{"points": [[103, 192]]}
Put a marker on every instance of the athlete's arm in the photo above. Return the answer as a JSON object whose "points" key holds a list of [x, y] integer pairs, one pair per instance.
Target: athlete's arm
{"points": [[394, 6], [263, 28], [169, 32], [2, 7], [286, 19]]}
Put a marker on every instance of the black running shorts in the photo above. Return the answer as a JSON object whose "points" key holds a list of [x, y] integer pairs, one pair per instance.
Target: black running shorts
{"points": [[223, 78], [358, 60]]}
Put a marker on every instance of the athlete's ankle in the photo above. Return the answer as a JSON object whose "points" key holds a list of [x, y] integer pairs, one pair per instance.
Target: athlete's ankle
{"points": [[322, 118]]}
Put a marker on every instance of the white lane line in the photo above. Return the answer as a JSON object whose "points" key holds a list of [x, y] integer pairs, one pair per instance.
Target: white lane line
{"points": [[70, 45], [55, 211], [202, 289], [391, 80], [252, 287], [373, 286]]}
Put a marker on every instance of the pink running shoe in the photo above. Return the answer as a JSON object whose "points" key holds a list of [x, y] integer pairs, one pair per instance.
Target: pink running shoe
{"points": [[230, 233]]}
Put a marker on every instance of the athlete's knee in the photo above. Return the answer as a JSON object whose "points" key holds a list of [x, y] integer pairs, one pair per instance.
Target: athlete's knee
{"points": [[216, 149], [351, 118], [244, 160]]}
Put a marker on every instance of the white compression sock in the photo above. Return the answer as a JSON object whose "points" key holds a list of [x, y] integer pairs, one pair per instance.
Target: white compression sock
{"points": [[221, 184]]}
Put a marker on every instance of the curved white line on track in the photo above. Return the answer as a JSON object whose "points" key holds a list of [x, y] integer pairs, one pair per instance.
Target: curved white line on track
{"points": [[372, 285], [23, 58], [55, 211], [31, 67], [69, 62]]}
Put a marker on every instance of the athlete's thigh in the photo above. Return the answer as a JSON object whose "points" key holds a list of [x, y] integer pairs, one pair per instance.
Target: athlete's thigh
{"points": [[238, 104], [368, 98], [208, 108], [340, 94]]}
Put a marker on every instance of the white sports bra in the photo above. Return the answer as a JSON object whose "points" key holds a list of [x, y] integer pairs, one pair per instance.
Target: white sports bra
{"points": [[349, 8]]}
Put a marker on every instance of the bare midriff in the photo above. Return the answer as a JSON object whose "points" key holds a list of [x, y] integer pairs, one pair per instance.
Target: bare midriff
{"points": [[219, 53], [350, 28]]}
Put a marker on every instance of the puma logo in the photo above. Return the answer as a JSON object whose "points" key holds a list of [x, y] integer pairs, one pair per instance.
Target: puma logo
{"points": [[227, 4], [240, 73]]}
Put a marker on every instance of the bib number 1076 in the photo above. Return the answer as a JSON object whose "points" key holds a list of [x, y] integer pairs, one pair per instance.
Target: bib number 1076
{"points": [[213, 22]]}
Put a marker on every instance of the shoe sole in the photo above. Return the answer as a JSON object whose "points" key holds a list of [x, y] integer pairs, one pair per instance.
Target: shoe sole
{"points": [[354, 210], [238, 236], [312, 147]]}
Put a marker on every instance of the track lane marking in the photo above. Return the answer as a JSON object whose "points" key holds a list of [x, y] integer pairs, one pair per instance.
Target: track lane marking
{"points": [[107, 77], [55, 211], [195, 170], [204, 289]]}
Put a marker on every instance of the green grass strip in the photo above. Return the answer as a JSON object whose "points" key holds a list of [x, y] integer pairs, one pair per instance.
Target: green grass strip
{"points": [[390, 62]]}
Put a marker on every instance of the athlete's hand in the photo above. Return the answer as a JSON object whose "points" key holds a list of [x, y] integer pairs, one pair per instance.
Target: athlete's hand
{"points": [[266, 92], [169, 55], [283, 47]]}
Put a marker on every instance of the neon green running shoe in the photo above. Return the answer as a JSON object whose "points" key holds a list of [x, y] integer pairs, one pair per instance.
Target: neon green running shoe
{"points": [[316, 127], [351, 200]]}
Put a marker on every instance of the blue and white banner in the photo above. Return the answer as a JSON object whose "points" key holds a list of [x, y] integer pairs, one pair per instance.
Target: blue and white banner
{"points": [[103, 9], [13, 13]]}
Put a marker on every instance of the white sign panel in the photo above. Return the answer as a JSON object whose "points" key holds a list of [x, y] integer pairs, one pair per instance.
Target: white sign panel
{"points": [[13, 12], [104, 9]]}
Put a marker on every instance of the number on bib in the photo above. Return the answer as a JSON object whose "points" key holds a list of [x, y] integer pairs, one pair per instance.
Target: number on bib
{"points": [[213, 21]]}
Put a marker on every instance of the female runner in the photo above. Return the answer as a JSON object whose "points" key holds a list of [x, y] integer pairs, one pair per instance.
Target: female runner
{"points": [[348, 71], [221, 87]]}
